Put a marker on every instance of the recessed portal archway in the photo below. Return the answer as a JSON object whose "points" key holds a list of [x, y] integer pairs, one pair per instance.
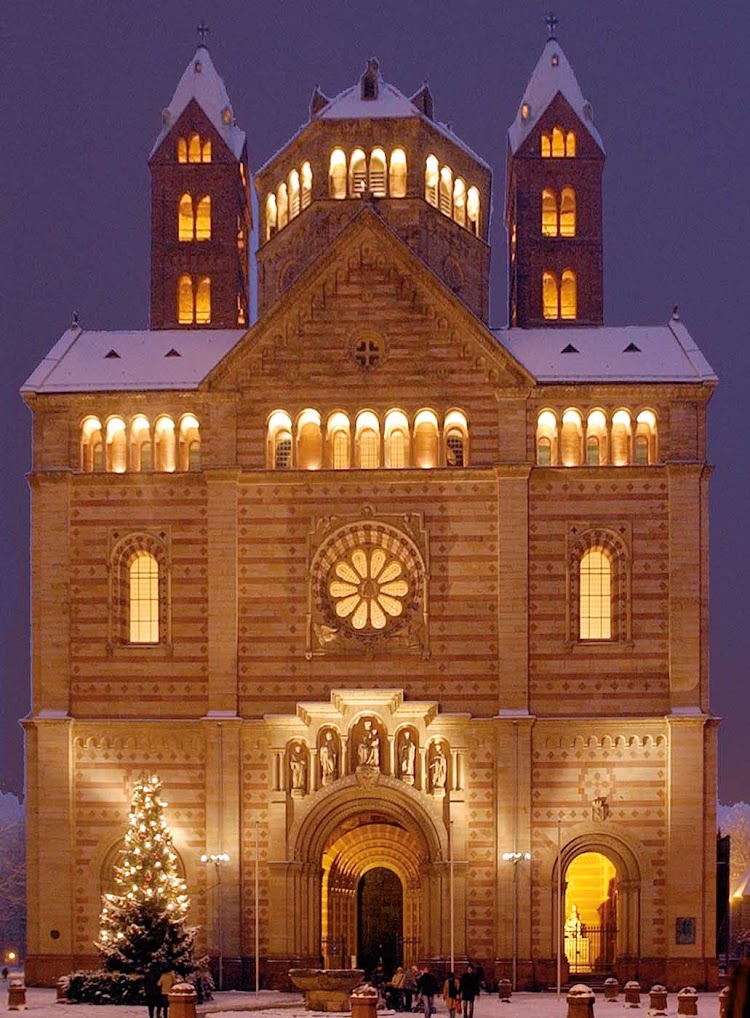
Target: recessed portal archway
{"points": [[591, 913]]}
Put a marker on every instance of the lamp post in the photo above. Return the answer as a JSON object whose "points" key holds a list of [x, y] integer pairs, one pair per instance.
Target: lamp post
{"points": [[515, 858], [218, 861]]}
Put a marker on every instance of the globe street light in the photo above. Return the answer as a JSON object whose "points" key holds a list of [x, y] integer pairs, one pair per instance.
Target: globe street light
{"points": [[515, 858], [218, 861]]}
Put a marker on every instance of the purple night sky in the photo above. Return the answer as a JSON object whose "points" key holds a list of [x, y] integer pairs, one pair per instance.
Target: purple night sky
{"points": [[82, 86]]}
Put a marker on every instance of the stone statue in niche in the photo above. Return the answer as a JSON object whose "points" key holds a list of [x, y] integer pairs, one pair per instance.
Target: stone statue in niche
{"points": [[329, 759], [438, 771], [298, 769], [368, 750], [407, 758]]}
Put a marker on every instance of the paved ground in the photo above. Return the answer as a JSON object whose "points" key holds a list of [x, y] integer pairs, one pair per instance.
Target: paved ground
{"points": [[288, 1005]]}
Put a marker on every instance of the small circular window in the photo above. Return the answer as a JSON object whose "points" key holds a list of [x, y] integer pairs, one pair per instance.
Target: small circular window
{"points": [[368, 588], [368, 352]]}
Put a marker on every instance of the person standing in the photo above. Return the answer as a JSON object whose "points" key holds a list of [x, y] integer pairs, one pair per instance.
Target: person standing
{"points": [[152, 993], [427, 986], [166, 982], [450, 994], [468, 987], [410, 985]]}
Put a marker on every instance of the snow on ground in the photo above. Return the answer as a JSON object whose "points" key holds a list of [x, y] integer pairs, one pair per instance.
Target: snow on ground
{"points": [[289, 1005]]}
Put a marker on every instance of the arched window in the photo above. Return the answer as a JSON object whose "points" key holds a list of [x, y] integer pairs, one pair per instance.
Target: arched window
{"points": [[203, 301], [143, 598], [203, 219], [472, 210], [357, 173], [309, 441], [194, 149], [294, 195], [271, 217], [368, 440], [549, 295], [425, 439], [280, 440], [431, 178], [117, 449], [570, 144], [549, 213], [558, 143], [568, 212], [621, 438], [185, 310], [446, 191], [337, 432], [546, 146], [140, 444], [396, 440], [397, 182], [596, 438], [571, 438], [185, 219], [645, 437], [456, 438], [282, 205], [546, 439], [459, 201], [182, 150], [306, 185], [337, 174], [190, 443], [568, 295], [165, 452], [595, 595], [92, 446], [206, 151], [377, 173]]}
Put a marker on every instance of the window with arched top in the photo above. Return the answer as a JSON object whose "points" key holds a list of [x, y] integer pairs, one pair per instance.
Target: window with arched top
{"points": [[280, 440], [568, 295], [596, 438], [599, 575], [378, 173], [558, 143], [473, 210], [282, 205], [185, 308], [567, 212], [143, 598], [397, 180], [272, 223], [165, 445], [189, 443], [550, 304], [294, 194], [431, 179], [194, 148], [446, 191], [185, 219], [621, 438], [571, 439], [570, 144], [140, 444], [459, 201], [138, 609], [546, 146], [337, 174], [306, 184], [645, 438], [357, 173], [595, 595], [425, 439], [182, 150], [203, 218], [396, 433], [549, 213], [309, 441], [203, 301], [337, 435], [456, 439], [92, 446], [546, 439], [367, 440], [117, 446]]}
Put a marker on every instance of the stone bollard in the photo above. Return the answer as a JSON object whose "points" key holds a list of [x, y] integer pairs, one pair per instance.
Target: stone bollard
{"points": [[687, 1000], [16, 994], [632, 993], [723, 1002], [182, 1000], [580, 1000], [657, 1000], [504, 990], [611, 989], [364, 1001]]}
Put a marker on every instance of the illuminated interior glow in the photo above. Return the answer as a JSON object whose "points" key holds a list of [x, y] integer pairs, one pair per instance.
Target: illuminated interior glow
{"points": [[595, 596]]}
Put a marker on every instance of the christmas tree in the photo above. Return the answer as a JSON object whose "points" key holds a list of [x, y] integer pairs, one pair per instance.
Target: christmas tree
{"points": [[143, 926]]}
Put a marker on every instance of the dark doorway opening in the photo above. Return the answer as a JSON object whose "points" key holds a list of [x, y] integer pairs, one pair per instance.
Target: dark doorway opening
{"points": [[380, 920]]}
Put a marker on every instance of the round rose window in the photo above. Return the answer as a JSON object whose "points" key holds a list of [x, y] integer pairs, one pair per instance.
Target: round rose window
{"points": [[368, 587]]}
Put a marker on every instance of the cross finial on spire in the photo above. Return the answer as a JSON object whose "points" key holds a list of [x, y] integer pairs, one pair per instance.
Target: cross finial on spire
{"points": [[551, 21], [202, 31]]}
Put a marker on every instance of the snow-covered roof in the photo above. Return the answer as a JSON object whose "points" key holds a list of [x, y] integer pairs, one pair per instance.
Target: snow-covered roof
{"points": [[201, 81], [629, 353], [84, 361], [551, 75]]}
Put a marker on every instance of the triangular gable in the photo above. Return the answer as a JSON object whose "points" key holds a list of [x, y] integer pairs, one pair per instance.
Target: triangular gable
{"points": [[194, 118]]}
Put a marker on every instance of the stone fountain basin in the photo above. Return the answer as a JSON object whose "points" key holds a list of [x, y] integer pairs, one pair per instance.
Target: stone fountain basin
{"points": [[326, 989]]}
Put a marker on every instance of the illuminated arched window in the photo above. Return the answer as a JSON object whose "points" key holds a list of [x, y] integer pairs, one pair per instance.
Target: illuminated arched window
{"points": [[446, 191], [117, 448], [143, 598], [431, 178], [377, 172], [294, 194], [194, 149], [549, 295], [568, 295], [596, 438], [206, 151], [621, 438], [271, 217], [165, 446], [549, 213], [91, 445], [425, 439], [546, 146], [203, 219], [357, 173], [570, 144], [397, 182], [185, 309], [558, 142], [140, 444], [185, 219], [571, 438], [182, 150], [306, 185], [338, 441], [280, 440], [595, 595], [645, 438], [203, 301], [282, 205], [459, 201], [456, 437], [568, 212], [337, 174], [190, 443], [368, 440], [396, 440], [546, 439], [309, 441], [473, 210]]}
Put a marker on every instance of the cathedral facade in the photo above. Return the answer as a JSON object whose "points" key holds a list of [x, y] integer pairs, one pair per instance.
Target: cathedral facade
{"points": [[408, 614]]}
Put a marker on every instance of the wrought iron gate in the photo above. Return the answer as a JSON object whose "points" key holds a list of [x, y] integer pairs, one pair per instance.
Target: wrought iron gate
{"points": [[591, 949]]}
